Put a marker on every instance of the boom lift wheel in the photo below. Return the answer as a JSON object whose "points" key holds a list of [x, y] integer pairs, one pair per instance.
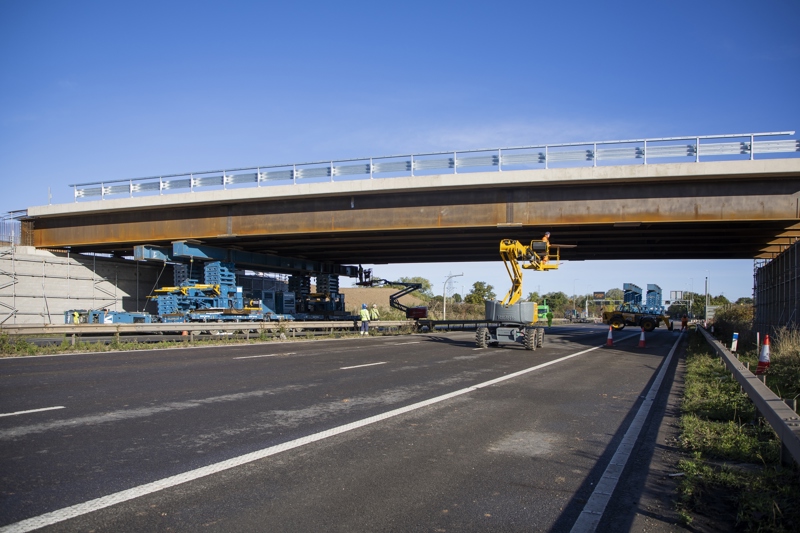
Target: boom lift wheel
{"points": [[482, 337], [539, 337], [531, 338]]}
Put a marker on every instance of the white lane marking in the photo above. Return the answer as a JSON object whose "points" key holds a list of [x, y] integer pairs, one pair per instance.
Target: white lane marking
{"points": [[33, 411], [362, 366], [90, 506], [267, 355], [596, 504], [128, 414]]}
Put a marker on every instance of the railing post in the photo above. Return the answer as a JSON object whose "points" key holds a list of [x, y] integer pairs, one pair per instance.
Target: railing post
{"points": [[191, 182], [224, 179], [331, 170], [258, 177], [455, 164], [644, 152], [697, 150], [102, 191], [370, 168], [294, 174], [75, 192], [499, 159], [752, 146], [130, 188], [412, 165], [594, 155], [160, 186], [545, 157]]}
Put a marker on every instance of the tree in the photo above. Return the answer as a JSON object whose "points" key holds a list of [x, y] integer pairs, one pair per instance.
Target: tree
{"points": [[557, 301], [457, 298], [480, 292], [615, 294], [534, 297], [744, 301]]}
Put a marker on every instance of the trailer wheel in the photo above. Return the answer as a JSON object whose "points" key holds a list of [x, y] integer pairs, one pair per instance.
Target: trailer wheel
{"points": [[482, 337], [539, 337], [648, 324], [531, 338], [617, 323]]}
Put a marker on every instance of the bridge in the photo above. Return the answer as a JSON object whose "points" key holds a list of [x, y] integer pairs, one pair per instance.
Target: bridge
{"points": [[714, 197]]}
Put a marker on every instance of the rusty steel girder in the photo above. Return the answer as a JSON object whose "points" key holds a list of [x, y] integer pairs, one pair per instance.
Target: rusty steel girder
{"points": [[669, 219]]}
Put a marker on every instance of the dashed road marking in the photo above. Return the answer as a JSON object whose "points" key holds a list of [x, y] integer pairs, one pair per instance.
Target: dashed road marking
{"points": [[362, 366], [267, 355], [33, 411]]}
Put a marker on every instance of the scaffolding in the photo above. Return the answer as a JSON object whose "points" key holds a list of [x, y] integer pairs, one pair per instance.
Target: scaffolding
{"points": [[777, 291]]}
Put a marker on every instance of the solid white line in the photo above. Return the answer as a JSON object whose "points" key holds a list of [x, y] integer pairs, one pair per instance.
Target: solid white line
{"points": [[268, 355], [362, 366], [596, 504], [33, 411], [74, 511]]}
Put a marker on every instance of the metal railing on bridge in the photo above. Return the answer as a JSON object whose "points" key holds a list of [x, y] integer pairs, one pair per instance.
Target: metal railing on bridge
{"points": [[646, 151]]}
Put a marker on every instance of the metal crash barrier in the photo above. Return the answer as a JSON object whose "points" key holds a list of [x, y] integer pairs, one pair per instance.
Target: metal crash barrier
{"points": [[782, 418]]}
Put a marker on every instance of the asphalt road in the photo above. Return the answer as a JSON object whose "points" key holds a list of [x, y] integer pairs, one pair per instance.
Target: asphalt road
{"points": [[366, 434]]}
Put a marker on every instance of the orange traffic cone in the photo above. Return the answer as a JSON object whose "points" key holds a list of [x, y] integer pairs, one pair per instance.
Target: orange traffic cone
{"points": [[610, 340], [641, 339], [763, 358]]}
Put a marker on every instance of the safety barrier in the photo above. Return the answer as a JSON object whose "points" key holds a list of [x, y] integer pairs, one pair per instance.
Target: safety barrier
{"points": [[646, 151], [783, 419], [177, 327]]}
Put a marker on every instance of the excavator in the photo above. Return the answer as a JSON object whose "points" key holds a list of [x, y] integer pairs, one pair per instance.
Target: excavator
{"points": [[510, 321]]}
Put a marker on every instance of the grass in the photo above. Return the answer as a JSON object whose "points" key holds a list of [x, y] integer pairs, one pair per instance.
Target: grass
{"points": [[732, 472]]}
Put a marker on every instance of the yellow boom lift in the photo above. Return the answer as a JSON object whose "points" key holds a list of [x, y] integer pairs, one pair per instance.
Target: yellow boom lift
{"points": [[510, 321]]}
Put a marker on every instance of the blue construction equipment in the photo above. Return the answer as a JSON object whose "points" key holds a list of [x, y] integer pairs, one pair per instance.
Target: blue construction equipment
{"points": [[218, 299], [102, 316]]}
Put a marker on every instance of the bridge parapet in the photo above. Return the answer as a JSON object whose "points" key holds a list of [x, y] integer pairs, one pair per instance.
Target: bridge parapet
{"points": [[599, 153]]}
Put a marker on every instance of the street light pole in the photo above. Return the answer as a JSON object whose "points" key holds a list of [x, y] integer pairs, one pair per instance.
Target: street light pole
{"points": [[574, 309], [444, 294]]}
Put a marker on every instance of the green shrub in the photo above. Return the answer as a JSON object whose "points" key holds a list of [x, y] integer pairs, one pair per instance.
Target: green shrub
{"points": [[735, 319]]}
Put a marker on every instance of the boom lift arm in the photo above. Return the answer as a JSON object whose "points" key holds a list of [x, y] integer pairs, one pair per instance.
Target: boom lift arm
{"points": [[365, 279], [538, 257]]}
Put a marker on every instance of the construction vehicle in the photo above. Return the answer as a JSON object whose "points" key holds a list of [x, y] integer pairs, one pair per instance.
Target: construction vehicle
{"points": [[510, 321], [630, 314], [219, 299], [365, 279]]}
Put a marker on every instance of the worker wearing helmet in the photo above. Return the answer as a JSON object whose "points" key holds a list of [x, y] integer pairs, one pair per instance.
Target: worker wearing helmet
{"points": [[374, 314], [364, 320]]}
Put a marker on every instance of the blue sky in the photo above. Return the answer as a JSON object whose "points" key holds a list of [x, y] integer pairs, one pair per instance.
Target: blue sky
{"points": [[110, 90]]}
